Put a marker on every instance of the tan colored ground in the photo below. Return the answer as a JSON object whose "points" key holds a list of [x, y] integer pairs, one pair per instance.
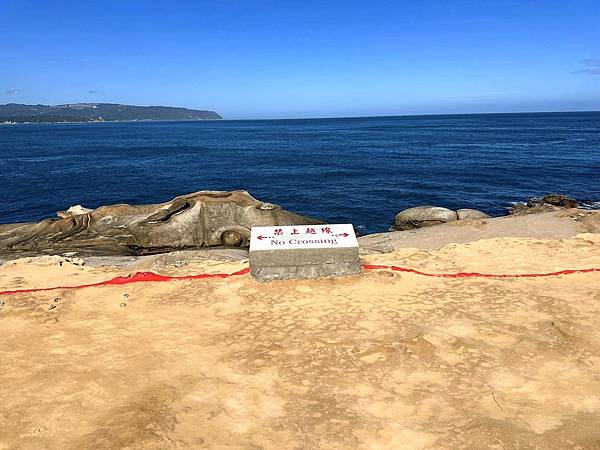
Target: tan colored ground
{"points": [[560, 224], [378, 360]]}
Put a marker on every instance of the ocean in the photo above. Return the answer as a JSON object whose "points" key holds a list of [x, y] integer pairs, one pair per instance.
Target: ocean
{"points": [[357, 170]]}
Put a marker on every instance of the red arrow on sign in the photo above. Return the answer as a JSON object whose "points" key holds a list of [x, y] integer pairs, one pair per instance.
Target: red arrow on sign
{"points": [[261, 237], [344, 234]]}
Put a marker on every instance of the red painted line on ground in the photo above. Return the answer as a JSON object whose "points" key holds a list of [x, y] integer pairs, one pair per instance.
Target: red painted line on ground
{"points": [[479, 275], [138, 277], [143, 277]]}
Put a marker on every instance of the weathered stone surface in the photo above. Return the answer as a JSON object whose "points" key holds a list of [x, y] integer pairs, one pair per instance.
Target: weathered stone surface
{"points": [[276, 253], [314, 263], [548, 203], [521, 209], [423, 216], [75, 210], [563, 201], [534, 202], [193, 221], [176, 259], [558, 224], [468, 214]]}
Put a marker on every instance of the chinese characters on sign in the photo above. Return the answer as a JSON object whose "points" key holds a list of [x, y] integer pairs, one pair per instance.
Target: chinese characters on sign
{"points": [[308, 230], [303, 251], [303, 236]]}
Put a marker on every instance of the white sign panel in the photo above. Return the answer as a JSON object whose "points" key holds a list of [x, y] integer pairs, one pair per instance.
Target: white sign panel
{"points": [[303, 236]]}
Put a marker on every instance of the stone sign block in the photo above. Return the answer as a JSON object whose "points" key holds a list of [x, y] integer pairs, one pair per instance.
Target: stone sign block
{"points": [[303, 251]]}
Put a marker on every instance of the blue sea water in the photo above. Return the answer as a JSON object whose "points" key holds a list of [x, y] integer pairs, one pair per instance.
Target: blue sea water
{"points": [[358, 170]]}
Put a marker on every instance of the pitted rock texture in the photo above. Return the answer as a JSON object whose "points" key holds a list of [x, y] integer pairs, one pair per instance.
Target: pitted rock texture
{"points": [[376, 360], [192, 221]]}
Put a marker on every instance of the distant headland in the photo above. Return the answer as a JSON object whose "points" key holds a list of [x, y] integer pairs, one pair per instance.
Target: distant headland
{"points": [[98, 112]]}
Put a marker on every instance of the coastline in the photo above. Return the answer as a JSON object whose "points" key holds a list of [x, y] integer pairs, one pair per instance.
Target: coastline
{"points": [[359, 117], [553, 225], [341, 170], [111, 121], [371, 360]]}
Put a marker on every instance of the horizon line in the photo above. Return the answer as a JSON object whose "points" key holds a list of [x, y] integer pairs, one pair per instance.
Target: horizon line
{"points": [[224, 119], [409, 115]]}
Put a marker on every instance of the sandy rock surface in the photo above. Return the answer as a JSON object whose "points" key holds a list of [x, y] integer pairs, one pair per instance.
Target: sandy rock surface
{"points": [[377, 360], [562, 223]]}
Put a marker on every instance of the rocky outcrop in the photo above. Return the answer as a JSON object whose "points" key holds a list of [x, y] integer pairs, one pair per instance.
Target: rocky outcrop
{"points": [[469, 214], [193, 221], [521, 209], [551, 202], [562, 201], [425, 216], [559, 224]]}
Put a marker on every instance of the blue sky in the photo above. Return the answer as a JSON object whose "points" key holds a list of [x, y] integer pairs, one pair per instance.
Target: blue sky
{"points": [[260, 59]]}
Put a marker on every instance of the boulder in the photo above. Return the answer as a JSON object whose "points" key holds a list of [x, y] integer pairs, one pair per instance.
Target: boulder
{"points": [[468, 214], [188, 222], [423, 216], [562, 201]]}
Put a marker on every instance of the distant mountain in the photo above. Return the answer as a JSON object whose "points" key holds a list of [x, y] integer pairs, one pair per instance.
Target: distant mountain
{"points": [[98, 112]]}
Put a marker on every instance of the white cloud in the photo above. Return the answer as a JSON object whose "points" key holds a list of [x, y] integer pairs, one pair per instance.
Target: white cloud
{"points": [[591, 66]]}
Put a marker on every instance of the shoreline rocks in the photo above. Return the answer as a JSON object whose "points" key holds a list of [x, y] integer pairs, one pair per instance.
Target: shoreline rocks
{"points": [[188, 222], [426, 216], [470, 214], [199, 220], [550, 202]]}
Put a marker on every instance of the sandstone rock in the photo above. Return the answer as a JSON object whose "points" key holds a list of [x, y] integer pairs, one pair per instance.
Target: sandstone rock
{"points": [[423, 216], [75, 210], [188, 222], [466, 214]]}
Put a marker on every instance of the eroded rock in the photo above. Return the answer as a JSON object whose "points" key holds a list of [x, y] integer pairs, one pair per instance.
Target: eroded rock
{"points": [[548, 203], [562, 201], [75, 210], [192, 221], [469, 214], [423, 216]]}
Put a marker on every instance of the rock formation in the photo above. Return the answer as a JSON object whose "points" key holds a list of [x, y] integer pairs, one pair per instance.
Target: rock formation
{"points": [[563, 201], [468, 214], [73, 211], [551, 202], [201, 219], [425, 216]]}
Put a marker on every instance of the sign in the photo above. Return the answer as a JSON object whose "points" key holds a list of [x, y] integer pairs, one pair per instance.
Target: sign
{"points": [[302, 236], [303, 251]]}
